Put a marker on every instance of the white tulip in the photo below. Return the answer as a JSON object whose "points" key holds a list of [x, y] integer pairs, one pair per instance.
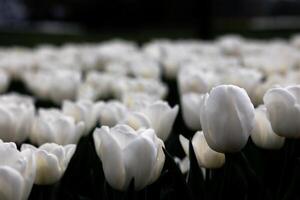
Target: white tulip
{"points": [[192, 80], [51, 161], [83, 110], [56, 85], [17, 172], [111, 113], [161, 117], [262, 133], [190, 106], [227, 118], [145, 68], [53, 126], [17, 115], [136, 120], [283, 110], [206, 157], [152, 87], [127, 154], [86, 91], [137, 100]]}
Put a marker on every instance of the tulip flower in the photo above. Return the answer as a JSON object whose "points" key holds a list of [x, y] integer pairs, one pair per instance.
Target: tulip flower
{"points": [[158, 116], [283, 110], [51, 161], [227, 118], [53, 126], [83, 110], [161, 117], [16, 118], [136, 120], [152, 87], [127, 154], [262, 133], [111, 113], [190, 105], [56, 85], [17, 172], [206, 157], [192, 80]]}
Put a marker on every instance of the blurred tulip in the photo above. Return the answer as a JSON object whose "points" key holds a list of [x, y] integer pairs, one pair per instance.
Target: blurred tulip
{"points": [[111, 113], [51, 161], [190, 105], [127, 154], [17, 172], [83, 110], [206, 157], [16, 118], [227, 118], [192, 80], [283, 110], [53, 126], [262, 133]]}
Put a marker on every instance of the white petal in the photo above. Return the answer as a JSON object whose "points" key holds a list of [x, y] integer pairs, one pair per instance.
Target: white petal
{"points": [[139, 158], [184, 144], [111, 156], [11, 184]]}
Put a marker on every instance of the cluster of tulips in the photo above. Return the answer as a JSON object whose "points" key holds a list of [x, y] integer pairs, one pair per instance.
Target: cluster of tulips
{"points": [[166, 120]]}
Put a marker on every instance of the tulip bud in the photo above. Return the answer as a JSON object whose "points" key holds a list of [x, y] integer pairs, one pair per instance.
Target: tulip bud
{"points": [[227, 118], [17, 172], [262, 133], [53, 126], [206, 157], [127, 154], [190, 105], [51, 161], [283, 110]]}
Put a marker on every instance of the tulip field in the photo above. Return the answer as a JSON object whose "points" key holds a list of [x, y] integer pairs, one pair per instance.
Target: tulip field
{"points": [[169, 119]]}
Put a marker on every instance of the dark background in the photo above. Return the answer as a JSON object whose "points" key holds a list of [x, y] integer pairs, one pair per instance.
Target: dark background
{"points": [[27, 22]]}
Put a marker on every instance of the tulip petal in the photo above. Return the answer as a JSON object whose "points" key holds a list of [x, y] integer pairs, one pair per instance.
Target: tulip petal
{"points": [[49, 170], [139, 159], [184, 143], [111, 156], [123, 134], [11, 184]]}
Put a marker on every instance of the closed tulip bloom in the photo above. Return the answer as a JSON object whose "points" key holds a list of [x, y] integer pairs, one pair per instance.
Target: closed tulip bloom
{"points": [[16, 118], [227, 118], [262, 133], [283, 110], [127, 154], [206, 157], [53, 126], [51, 161], [83, 110], [17, 172], [190, 105]]}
